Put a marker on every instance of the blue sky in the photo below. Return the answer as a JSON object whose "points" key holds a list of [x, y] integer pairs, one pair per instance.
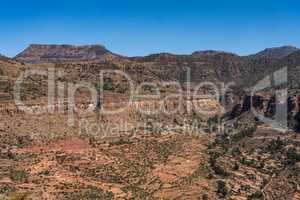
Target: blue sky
{"points": [[137, 27]]}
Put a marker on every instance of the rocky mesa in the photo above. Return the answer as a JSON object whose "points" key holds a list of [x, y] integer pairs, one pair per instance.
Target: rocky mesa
{"points": [[39, 53]]}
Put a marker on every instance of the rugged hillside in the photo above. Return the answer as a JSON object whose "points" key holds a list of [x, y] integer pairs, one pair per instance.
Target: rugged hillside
{"points": [[157, 155], [205, 66], [293, 63], [209, 66], [63, 53], [274, 53]]}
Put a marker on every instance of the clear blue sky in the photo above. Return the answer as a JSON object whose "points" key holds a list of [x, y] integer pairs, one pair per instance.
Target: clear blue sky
{"points": [[137, 27]]}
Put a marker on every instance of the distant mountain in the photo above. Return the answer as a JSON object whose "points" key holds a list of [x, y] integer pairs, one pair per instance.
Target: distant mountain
{"points": [[37, 53], [220, 66], [208, 65], [208, 53], [204, 65], [274, 53]]}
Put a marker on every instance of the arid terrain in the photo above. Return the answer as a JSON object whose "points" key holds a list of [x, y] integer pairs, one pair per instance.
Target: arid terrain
{"points": [[223, 152]]}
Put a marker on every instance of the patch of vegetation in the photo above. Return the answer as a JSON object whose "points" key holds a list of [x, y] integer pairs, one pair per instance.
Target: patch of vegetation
{"points": [[276, 145], [90, 193], [5, 189], [18, 175], [115, 86], [247, 162], [104, 172], [236, 166], [61, 158], [121, 141], [33, 157], [199, 172], [13, 140], [216, 167], [258, 195], [162, 150], [137, 193], [220, 170], [293, 156], [235, 151], [7, 155], [245, 187]]}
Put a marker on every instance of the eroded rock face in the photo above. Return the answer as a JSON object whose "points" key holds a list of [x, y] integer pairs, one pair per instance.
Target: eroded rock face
{"points": [[63, 53], [266, 105]]}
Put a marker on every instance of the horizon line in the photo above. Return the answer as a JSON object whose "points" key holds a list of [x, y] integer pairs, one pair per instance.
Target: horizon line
{"points": [[153, 53]]}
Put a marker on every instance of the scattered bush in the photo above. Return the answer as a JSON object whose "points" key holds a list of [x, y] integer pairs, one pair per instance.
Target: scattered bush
{"points": [[222, 189], [121, 141], [220, 171], [276, 145], [246, 188], [293, 156], [257, 195], [90, 193], [236, 166]]}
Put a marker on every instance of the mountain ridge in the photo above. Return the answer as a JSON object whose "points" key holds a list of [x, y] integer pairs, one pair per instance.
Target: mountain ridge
{"points": [[274, 52], [39, 53]]}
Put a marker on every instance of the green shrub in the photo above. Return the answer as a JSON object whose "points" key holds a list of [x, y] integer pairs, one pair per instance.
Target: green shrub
{"points": [[276, 145], [256, 195], [18, 175], [220, 171], [292, 155], [90, 193]]}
